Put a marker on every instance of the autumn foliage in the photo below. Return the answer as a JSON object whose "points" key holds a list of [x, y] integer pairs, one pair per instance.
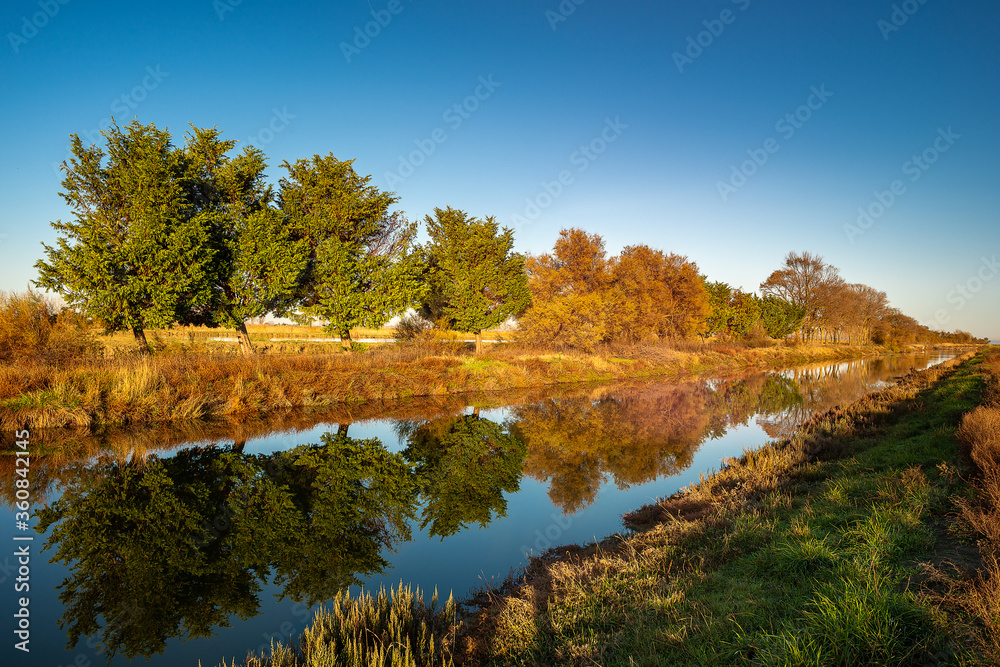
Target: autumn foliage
{"points": [[581, 298]]}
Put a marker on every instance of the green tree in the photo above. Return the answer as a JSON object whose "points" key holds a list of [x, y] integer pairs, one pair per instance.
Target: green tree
{"points": [[476, 278], [780, 318], [258, 265], [720, 308], [136, 254], [362, 269], [746, 313]]}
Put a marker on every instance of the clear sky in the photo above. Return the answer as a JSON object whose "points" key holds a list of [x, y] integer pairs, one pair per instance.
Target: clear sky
{"points": [[730, 131]]}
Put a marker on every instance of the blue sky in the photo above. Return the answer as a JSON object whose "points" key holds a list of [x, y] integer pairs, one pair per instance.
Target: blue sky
{"points": [[730, 131]]}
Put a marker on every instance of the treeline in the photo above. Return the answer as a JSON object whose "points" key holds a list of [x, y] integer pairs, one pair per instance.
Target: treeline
{"points": [[834, 310], [193, 234], [581, 297]]}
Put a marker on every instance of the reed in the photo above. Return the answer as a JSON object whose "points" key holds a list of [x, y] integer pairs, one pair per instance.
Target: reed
{"points": [[388, 629]]}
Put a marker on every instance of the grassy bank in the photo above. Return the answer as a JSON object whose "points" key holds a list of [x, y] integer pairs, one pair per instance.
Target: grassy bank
{"points": [[91, 392], [840, 546]]}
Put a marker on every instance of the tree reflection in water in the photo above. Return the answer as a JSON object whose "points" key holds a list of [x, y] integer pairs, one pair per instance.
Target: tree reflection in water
{"points": [[634, 435], [175, 547], [465, 464]]}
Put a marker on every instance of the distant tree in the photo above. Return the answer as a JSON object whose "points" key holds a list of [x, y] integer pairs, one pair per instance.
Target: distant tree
{"points": [[655, 294], [720, 308], [362, 268], [640, 299], [746, 314], [258, 265], [870, 306], [804, 280], [780, 318], [137, 254], [476, 278], [689, 297]]}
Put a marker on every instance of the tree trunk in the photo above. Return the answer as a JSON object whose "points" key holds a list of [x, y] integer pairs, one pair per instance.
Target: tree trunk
{"points": [[246, 347], [239, 445], [345, 340], [479, 342], [342, 428], [140, 340]]}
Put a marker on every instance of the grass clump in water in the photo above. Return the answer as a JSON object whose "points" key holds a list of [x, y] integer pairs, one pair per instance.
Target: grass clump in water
{"points": [[394, 629]]}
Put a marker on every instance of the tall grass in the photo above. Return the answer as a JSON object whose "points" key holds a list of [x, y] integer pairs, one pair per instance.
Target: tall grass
{"points": [[397, 629], [190, 381], [979, 436]]}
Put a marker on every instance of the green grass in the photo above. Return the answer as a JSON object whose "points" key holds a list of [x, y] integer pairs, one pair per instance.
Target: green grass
{"points": [[816, 569]]}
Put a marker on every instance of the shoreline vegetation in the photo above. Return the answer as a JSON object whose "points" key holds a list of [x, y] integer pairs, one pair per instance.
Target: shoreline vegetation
{"points": [[194, 379], [870, 537]]}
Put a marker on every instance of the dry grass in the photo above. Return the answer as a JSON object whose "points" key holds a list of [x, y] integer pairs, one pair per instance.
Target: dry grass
{"points": [[189, 379], [31, 330], [979, 438]]}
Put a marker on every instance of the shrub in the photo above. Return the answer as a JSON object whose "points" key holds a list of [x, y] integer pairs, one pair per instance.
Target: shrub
{"points": [[413, 326], [31, 328]]}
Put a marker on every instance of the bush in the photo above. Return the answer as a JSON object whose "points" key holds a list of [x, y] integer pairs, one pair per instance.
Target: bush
{"points": [[413, 326], [31, 328], [26, 321]]}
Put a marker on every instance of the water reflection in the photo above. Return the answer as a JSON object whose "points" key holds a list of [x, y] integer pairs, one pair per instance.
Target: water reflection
{"points": [[159, 544], [174, 547], [466, 464], [636, 434]]}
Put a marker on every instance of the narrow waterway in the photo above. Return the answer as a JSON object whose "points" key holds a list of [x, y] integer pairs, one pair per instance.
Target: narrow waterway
{"points": [[206, 542]]}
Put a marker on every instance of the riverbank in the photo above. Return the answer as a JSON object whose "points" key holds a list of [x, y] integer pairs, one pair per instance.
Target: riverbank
{"points": [[841, 545], [92, 393]]}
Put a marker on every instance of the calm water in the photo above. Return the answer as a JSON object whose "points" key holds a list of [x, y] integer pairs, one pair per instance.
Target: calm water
{"points": [[204, 543]]}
